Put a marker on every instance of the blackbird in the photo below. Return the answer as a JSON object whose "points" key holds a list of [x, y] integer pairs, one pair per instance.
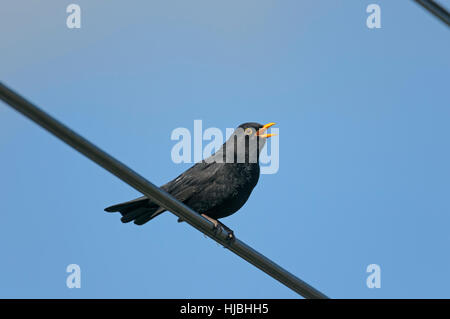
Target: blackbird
{"points": [[216, 187]]}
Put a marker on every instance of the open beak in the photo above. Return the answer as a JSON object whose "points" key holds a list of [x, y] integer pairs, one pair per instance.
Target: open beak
{"points": [[261, 131]]}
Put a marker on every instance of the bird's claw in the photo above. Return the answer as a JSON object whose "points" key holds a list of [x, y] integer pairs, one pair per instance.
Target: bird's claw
{"points": [[217, 227], [230, 236], [220, 227]]}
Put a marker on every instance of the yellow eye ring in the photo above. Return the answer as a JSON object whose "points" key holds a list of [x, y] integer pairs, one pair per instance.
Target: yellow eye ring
{"points": [[248, 131]]}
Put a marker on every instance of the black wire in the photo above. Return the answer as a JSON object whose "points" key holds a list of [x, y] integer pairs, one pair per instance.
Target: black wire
{"points": [[436, 9], [155, 193]]}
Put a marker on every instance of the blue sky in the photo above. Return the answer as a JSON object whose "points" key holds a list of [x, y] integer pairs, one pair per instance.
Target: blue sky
{"points": [[364, 151]]}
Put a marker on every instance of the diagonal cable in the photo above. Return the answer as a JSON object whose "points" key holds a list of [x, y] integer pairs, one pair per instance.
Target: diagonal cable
{"points": [[436, 9], [155, 193]]}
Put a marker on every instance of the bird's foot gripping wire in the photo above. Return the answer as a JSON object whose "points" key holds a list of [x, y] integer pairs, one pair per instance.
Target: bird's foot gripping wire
{"points": [[219, 226], [230, 232]]}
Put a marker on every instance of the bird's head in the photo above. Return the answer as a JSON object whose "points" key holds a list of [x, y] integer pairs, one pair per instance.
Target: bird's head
{"points": [[246, 142], [254, 130]]}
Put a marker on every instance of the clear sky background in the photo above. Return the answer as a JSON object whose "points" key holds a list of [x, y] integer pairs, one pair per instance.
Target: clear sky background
{"points": [[364, 145]]}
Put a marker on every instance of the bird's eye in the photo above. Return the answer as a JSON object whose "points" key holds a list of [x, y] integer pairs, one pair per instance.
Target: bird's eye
{"points": [[248, 131]]}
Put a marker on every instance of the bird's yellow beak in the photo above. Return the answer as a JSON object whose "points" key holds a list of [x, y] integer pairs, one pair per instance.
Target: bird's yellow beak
{"points": [[263, 129]]}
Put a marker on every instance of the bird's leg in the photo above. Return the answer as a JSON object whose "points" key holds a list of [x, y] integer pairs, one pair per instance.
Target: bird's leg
{"points": [[212, 220], [218, 225]]}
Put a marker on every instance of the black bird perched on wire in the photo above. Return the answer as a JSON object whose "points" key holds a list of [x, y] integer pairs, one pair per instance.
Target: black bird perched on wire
{"points": [[215, 187]]}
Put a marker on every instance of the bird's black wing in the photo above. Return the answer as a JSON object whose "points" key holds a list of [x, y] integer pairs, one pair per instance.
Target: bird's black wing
{"points": [[184, 187], [207, 188], [192, 182]]}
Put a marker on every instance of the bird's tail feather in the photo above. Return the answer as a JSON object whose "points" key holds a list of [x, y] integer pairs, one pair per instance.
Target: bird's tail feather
{"points": [[140, 210]]}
